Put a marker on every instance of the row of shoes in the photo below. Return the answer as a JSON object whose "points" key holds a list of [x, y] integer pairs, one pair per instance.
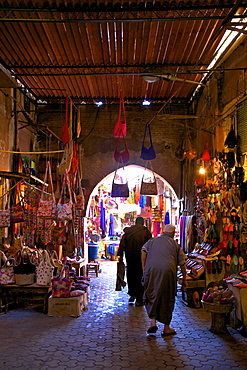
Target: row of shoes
{"points": [[214, 266]]}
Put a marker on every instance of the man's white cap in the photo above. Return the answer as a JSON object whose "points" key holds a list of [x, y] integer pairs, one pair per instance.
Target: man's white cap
{"points": [[169, 228]]}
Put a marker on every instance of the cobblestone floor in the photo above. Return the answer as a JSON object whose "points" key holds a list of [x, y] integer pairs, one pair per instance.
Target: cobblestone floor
{"points": [[111, 334]]}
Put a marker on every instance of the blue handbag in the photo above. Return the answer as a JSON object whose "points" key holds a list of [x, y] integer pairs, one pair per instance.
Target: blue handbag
{"points": [[147, 153]]}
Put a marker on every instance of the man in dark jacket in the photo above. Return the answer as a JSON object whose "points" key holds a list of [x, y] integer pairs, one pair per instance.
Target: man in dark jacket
{"points": [[131, 244]]}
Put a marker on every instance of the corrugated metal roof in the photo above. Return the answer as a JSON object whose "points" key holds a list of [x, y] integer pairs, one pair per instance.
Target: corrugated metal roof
{"points": [[95, 49]]}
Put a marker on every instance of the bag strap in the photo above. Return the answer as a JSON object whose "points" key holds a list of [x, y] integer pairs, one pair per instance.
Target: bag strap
{"points": [[151, 170], [67, 182], [45, 259], [24, 253], [48, 173], [121, 110], [123, 171], [54, 255], [150, 135]]}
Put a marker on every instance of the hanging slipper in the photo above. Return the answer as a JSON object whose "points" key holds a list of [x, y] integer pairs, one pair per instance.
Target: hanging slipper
{"points": [[219, 266], [235, 247], [230, 247], [214, 267], [241, 263], [225, 231], [224, 245], [228, 263], [209, 267], [234, 265], [230, 232]]}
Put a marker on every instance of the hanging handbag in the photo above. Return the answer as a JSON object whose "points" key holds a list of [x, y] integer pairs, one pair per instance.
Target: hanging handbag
{"points": [[44, 272], [206, 155], [148, 187], [123, 156], [120, 128], [59, 235], [5, 218], [7, 275], [64, 210], [5, 215], [32, 195], [17, 213], [119, 189], [65, 135], [25, 270], [61, 285], [47, 207], [147, 154], [231, 139], [78, 194]]}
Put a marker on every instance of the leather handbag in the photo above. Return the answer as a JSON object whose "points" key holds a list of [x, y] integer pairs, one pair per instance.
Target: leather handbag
{"points": [[147, 153], [64, 210], [120, 128], [148, 187], [25, 270], [119, 189], [124, 155], [44, 272], [47, 207]]}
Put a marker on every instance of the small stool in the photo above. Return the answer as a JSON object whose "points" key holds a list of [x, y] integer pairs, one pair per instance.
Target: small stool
{"points": [[218, 316], [93, 267]]}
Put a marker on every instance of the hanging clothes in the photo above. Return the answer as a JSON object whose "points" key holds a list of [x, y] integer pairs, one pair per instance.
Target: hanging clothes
{"points": [[187, 241], [111, 225], [102, 219], [167, 218]]}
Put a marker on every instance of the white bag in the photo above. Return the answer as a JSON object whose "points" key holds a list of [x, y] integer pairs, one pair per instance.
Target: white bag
{"points": [[44, 272]]}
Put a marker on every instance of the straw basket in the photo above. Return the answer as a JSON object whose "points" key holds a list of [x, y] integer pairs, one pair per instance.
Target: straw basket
{"points": [[218, 316], [217, 307]]}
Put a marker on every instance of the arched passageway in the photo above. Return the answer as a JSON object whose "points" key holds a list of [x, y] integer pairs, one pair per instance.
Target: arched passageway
{"points": [[107, 216]]}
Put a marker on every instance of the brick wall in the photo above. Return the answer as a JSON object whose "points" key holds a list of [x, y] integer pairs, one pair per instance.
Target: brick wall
{"points": [[97, 143]]}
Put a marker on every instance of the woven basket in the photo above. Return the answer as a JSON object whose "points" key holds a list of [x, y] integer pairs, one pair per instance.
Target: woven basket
{"points": [[217, 307]]}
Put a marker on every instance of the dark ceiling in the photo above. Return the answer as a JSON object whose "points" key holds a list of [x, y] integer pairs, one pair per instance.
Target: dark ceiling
{"points": [[93, 50]]}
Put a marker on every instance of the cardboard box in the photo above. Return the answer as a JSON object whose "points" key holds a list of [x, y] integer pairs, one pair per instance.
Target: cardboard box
{"points": [[72, 306]]}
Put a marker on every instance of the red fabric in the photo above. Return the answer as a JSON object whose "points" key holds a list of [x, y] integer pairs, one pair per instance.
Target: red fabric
{"points": [[65, 129], [74, 161], [120, 128]]}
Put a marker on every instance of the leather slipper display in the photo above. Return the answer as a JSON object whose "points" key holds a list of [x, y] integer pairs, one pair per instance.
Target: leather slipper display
{"points": [[152, 329], [172, 332]]}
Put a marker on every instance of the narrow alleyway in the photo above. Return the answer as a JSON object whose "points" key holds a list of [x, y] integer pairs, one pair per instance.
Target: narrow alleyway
{"points": [[111, 334]]}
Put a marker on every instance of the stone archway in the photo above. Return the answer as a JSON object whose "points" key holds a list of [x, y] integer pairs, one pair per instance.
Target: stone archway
{"points": [[134, 174]]}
